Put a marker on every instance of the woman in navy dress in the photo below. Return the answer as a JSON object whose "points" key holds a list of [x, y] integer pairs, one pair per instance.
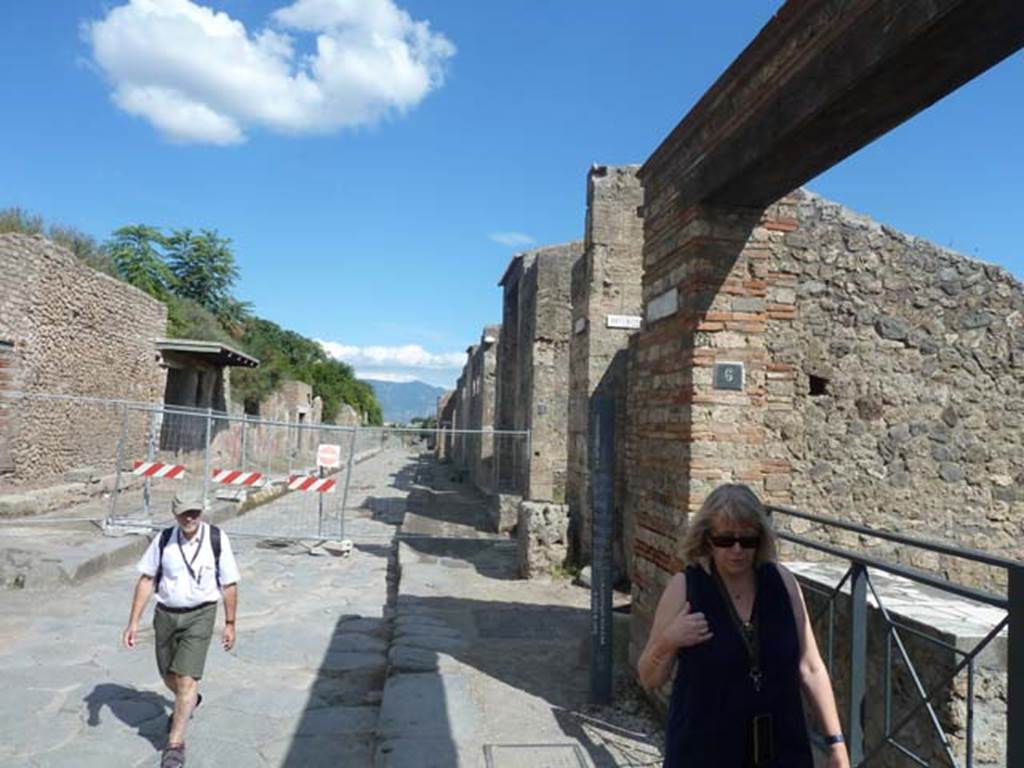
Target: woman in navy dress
{"points": [[736, 624]]}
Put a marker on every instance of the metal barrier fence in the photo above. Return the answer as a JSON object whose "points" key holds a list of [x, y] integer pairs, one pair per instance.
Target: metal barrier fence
{"points": [[267, 469], [242, 459], [881, 741]]}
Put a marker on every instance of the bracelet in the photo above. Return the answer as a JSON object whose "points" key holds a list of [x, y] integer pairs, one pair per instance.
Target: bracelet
{"points": [[835, 739], [229, 621]]}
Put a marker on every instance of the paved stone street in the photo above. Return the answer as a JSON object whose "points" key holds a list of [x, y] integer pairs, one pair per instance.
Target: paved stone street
{"points": [[302, 686], [480, 664]]}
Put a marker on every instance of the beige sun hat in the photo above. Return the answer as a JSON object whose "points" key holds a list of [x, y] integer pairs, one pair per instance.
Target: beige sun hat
{"points": [[185, 501]]}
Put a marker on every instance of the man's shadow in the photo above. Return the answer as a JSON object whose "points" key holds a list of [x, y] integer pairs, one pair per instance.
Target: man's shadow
{"points": [[145, 711]]}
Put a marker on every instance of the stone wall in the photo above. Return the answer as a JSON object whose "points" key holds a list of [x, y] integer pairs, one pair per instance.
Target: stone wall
{"points": [[542, 535], [459, 422], [901, 368], [606, 295], [511, 456], [480, 373], [347, 416], [8, 382], [67, 329], [445, 416], [293, 402], [543, 370]]}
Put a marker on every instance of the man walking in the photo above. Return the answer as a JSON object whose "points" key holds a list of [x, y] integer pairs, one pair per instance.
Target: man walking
{"points": [[190, 565]]}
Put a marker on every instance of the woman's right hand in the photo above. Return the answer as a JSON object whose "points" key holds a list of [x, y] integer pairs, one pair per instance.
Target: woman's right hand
{"points": [[687, 629]]}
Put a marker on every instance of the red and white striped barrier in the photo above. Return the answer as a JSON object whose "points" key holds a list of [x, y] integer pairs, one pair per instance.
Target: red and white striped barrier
{"points": [[310, 483], [237, 477], [156, 469]]}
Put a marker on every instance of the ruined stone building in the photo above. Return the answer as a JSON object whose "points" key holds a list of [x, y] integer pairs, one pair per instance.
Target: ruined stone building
{"points": [[460, 418], [198, 373], [480, 373], [533, 371], [445, 417], [66, 329], [198, 377], [606, 308], [833, 364]]}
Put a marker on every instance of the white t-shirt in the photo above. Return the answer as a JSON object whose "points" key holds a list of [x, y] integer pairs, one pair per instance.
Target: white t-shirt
{"points": [[180, 587]]}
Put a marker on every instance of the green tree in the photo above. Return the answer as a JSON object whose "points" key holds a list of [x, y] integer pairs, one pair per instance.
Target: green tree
{"points": [[203, 266], [285, 354], [234, 315], [188, 320], [135, 251]]}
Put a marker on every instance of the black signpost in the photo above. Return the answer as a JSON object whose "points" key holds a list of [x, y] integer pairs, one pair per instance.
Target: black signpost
{"points": [[602, 465]]}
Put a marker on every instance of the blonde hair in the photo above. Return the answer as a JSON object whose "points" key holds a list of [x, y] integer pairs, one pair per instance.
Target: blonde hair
{"points": [[733, 503]]}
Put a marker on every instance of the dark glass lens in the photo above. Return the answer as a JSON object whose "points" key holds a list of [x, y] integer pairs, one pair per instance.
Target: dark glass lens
{"points": [[747, 542], [191, 513]]}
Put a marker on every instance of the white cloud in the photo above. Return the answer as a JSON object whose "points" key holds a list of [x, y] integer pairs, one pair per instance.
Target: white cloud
{"points": [[200, 76], [409, 362], [400, 378], [406, 356], [512, 239]]}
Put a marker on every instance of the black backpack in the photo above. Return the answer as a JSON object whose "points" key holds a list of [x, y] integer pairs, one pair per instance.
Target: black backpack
{"points": [[165, 537]]}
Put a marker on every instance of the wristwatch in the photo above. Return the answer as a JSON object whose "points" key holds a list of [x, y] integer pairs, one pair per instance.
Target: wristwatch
{"points": [[834, 739]]}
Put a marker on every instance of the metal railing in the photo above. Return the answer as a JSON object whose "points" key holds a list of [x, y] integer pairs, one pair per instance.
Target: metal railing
{"points": [[858, 581]]}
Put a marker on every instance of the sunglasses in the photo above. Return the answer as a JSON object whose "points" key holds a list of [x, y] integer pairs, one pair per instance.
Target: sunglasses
{"points": [[727, 541], [190, 513]]}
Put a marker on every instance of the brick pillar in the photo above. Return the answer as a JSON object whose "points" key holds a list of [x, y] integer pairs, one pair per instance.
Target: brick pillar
{"points": [[709, 295]]}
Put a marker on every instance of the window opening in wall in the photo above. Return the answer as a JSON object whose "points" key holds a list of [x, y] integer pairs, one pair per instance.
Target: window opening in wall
{"points": [[818, 386]]}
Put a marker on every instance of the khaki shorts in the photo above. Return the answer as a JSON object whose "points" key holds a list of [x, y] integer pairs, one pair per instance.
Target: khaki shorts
{"points": [[182, 640]]}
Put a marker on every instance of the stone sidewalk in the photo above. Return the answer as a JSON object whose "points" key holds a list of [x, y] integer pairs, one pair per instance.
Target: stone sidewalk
{"points": [[488, 670]]}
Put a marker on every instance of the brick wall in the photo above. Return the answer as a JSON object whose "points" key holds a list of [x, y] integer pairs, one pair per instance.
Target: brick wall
{"points": [[884, 383], [74, 331]]}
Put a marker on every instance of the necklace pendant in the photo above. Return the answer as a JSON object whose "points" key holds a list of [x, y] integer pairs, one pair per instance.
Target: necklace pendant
{"points": [[756, 677]]}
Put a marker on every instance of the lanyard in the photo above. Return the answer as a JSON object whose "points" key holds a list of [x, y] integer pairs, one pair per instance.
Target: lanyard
{"points": [[188, 563], [748, 631]]}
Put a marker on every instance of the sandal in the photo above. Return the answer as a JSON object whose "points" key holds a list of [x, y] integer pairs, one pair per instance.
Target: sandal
{"points": [[173, 757], [170, 718]]}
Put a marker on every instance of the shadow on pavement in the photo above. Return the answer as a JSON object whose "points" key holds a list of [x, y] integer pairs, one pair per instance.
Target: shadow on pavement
{"points": [[493, 558], [538, 650], [145, 711], [337, 723]]}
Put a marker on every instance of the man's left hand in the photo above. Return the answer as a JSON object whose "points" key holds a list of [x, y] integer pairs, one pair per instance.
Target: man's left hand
{"points": [[228, 637]]}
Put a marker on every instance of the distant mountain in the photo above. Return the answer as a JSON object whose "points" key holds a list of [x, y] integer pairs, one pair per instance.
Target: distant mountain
{"points": [[401, 401]]}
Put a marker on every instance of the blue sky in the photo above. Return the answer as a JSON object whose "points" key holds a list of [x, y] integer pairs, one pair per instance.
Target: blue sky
{"points": [[376, 184]]}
